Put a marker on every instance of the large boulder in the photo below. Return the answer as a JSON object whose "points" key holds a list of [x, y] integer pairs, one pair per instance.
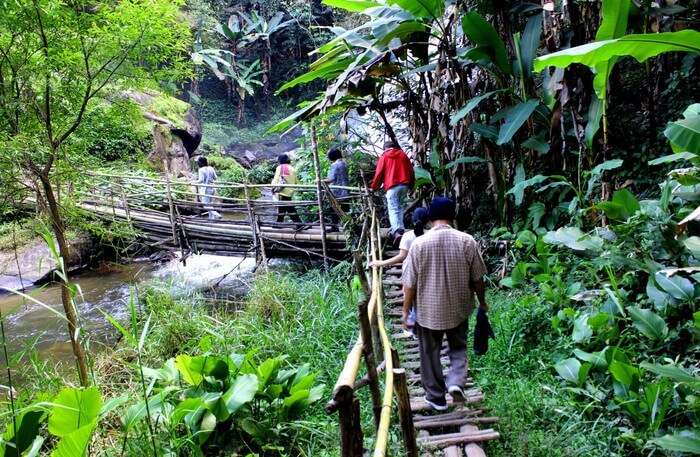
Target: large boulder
{"points": [[177, 131], [265, 150]]}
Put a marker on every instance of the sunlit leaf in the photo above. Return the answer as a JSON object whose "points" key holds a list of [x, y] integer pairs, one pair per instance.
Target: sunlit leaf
{"points": [[639, 46], [684, 441], [569, 369], [73, 408]]}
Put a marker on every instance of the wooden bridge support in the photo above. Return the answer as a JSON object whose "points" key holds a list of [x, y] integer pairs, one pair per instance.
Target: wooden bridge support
{"points": [[405, 415], [351, 438], [370, 361], [319, 194]]}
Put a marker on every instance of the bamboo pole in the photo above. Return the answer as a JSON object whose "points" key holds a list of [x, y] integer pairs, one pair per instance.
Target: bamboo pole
{"points": [[251, 220], [170, 199], [385, 419], [370, 363], [319, 195], [219, 185], [405, 415]]}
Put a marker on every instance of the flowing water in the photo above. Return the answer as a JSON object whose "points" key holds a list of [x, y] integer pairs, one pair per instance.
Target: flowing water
{"points": [[107, 289]]}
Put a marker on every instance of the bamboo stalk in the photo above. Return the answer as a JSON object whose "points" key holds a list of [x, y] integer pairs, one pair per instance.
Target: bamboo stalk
{"points": [[319, 195], [369, 361]]}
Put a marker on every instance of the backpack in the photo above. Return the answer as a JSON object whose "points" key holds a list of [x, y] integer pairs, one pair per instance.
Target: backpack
{"points": [[284, 171]]}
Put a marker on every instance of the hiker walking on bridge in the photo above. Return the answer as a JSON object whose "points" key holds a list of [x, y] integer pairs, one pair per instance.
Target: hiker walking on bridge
{"points": [[206, 175], [395, 173], [285, 174], [443, 270]]}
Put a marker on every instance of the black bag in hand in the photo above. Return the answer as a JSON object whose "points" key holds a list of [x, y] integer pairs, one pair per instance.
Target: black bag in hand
{"points": [[482, 333]]}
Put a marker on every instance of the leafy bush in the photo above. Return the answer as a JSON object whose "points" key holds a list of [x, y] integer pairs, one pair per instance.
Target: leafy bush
{"points": [[215, 398], [115, 131], [70, 418], [625, 297], [262, 173]]}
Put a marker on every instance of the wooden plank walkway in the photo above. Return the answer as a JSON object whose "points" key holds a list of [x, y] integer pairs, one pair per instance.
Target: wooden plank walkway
{"points": [[459, 431]]}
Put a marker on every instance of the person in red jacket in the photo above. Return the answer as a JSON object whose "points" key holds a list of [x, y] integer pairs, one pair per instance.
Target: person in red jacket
{"points": [[395, 172]]}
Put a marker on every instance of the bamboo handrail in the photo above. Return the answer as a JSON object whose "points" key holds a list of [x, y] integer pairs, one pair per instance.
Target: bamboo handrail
{"points": [[385, 419], [344, 387], [210, 227], [220, 185]]}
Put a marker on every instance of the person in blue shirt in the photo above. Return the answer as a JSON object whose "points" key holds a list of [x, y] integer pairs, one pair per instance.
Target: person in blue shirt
{"points": [[338, 176]]}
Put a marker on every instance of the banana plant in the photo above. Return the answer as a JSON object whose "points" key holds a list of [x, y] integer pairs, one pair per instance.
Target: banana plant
{"points": [[244, 78], [262, 29], [601, 55]]}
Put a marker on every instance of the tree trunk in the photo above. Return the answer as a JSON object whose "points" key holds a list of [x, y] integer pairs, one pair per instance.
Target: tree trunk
{"points": [[68, 305]]}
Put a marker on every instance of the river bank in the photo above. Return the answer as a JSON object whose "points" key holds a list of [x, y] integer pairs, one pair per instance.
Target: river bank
{"points": [[301, 316]]}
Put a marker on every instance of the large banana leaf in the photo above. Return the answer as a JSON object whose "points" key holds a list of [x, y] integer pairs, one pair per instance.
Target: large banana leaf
{"points": [[515, 117], [355, 6], [486, 38], [614, 25], [639, 46], [430, 9], [329, 71], [471, 104], [684, 134], [530, 42]]}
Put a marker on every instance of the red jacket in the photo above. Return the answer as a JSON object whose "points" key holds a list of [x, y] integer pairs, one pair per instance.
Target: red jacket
{"points": [[394, 168]]}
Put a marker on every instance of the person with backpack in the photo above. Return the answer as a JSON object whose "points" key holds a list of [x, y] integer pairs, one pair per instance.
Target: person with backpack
{"points": [[338, 176], [395, 173], [285, 174]]}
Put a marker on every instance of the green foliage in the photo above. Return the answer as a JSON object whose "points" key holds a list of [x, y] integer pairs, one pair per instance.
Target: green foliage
{"points": [[71, 416], [621, 315], [115, 131], [257, 401], [639, 46]]}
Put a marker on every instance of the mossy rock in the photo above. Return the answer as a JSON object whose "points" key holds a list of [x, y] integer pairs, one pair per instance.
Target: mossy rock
{"points": [[176, 129]]}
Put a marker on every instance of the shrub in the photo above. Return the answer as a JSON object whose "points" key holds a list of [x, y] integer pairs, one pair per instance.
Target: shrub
{"points": [[115, 131]]}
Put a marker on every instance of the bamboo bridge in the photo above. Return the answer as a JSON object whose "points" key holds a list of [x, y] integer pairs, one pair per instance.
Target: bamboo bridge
{"points": [[459, 432], [167, 214]]}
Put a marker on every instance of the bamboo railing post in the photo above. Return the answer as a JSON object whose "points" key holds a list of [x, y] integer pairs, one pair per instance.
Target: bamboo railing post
{"points": [[125, 202], [350, 428], [405, 416], [319, 195], [368, 352], [170, 201], [263, 254], [358, 445], [251, 220]]}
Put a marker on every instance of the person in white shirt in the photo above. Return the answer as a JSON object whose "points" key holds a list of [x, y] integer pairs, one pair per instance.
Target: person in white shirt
{"points": [[420, 221], [206, 175]]}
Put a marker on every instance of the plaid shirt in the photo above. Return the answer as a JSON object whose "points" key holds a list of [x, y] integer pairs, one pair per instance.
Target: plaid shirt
{"points": [[441, 265]]}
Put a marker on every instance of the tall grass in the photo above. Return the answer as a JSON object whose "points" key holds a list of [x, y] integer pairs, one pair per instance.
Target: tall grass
{"points": [[520, 386], [305, 316]]}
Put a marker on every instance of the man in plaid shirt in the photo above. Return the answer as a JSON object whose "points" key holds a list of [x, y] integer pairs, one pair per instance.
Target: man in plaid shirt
{"points": [[443, 271]]}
